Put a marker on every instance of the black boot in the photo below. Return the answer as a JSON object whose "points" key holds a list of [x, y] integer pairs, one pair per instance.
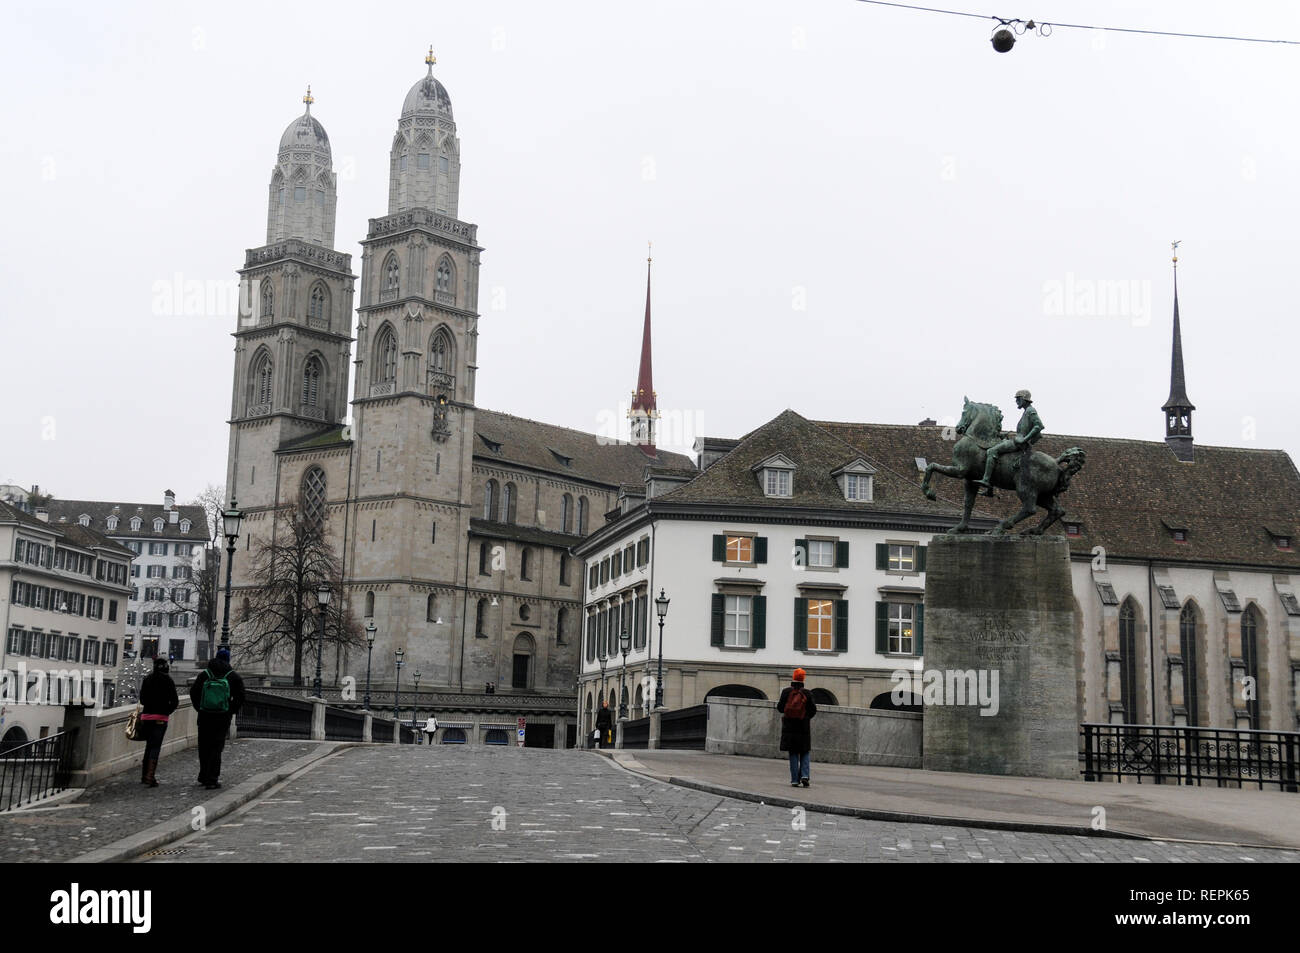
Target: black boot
{"points": [[149, 768]]}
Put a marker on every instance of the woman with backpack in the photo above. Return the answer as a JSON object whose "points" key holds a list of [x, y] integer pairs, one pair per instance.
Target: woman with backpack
{"points": [[157, 700], [217, 695], [797, 709]]}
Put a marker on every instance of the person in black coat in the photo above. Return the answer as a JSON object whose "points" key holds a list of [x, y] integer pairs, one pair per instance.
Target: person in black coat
{"points": [[157, 700], [797, 709], [215, 713], [604, 726]]}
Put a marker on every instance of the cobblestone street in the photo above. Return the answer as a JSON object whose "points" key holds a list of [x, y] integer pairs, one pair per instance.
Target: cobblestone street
{"points": [[510, 804]]}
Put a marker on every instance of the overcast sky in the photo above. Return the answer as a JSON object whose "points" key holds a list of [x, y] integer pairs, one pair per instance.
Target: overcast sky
{"points": [[858, 212]]}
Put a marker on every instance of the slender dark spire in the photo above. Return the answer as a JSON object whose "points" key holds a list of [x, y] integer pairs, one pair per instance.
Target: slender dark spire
{"points": [[1178, 408], [644, 410]]}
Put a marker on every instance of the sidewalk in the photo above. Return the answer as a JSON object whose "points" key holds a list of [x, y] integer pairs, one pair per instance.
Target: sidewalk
{"points": [[1159, 812], [118, 817]]}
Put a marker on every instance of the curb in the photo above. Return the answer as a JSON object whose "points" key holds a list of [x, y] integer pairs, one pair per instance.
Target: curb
{"points": [[151, 838], [867, 814]]}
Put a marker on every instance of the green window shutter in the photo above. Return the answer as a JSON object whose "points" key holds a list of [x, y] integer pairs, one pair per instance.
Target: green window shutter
{"points": [[800, 555], [719, 548], [800, 624], [842, 554], [882, 626], [719, 619], [920, 629], [841, 625], [920, 559], [882, 555], [760, 622], [760, 549]]}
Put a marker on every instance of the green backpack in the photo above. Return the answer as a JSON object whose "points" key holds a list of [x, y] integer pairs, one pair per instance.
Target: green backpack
{"points": [[216, 693]]}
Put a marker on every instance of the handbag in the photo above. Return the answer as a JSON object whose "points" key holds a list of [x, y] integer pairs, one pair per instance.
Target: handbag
{"points": [[133, 731]]}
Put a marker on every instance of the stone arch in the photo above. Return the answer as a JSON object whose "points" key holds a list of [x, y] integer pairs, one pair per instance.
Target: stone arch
{"points": [[823, 696], [314, 380], [318, 302], [370, 604], [442, 350], [391, 274], [490, 496], [14, 737], [905, 701], [566, 512], [522, 657], [385, 355], [735, 691], [261, 378], [453, 736], [496, 736], [444, 276], [431, 608]]}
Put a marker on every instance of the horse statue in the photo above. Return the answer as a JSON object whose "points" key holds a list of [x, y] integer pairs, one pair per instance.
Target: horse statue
{"points": [[1034, 476]]}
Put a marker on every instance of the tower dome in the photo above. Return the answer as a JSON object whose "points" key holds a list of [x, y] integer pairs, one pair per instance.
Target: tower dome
{"points": [[425, 157], [303, 191]]}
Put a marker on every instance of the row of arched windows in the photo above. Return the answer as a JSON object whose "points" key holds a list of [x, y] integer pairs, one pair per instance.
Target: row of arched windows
{"points": [[261, 381], [500, 505], [318, 301], [441, 351], [1190, 633], [444, 276]]}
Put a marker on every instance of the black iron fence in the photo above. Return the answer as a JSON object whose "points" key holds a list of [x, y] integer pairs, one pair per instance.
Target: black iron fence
{"points": [[273, 716], [343, 725], [636, 733], [1168, 754], [34, 771], [684, 728]]}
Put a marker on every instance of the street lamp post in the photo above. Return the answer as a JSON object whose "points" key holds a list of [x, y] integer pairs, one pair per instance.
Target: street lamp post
{"points": [[370, 647], [603, 657], [661, 607], [625, 645], [323, 600], [397, 684], [415, 703], [230, 520]]}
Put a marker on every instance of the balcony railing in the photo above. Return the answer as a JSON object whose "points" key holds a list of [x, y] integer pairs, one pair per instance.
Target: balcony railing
{"points": [[34, 771], [382, 389]]}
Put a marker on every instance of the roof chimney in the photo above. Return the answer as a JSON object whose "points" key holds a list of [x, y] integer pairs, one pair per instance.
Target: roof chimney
{"points": [[42, 514], [169, 500]]}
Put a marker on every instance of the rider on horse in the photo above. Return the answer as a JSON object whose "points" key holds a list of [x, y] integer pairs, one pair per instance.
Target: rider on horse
{"points": [[1027, 432]]}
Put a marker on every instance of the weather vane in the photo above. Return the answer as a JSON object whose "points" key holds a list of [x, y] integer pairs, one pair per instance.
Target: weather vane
{"points": [[308, 99], [1174, 246]]}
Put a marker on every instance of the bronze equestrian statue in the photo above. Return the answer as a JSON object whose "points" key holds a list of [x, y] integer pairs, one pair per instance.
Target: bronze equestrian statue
{"points": [[982, 457]]}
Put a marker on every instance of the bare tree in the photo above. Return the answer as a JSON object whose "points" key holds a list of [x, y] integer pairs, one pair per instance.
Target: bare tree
{"points": [[213, 500], [281, 602]]}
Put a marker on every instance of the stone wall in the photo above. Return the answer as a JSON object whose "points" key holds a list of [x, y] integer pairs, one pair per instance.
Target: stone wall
{"points": [[839, 735], [101, 748]]}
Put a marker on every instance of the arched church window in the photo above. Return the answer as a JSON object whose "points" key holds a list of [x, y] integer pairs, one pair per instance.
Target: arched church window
{"points": [[319, 302], [1250, 660], [313, 496], [490, 500], [1187, 624], [480, 617], [311, 374], [1128, 680], [566, 512], [431, 608], [268, 300], [582, 516], [526, 564], [440, 352], [386, 353], [262, 378], [392, 274], [445, 276], [370, 605], [508, 503]]}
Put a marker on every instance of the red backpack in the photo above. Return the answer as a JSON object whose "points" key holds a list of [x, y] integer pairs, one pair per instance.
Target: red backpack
{"points": [[796, 704]]}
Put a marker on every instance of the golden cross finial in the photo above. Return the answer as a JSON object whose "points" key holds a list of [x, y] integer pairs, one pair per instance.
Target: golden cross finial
{"points": [[308, 99], [1175, 245], [431, 59]]}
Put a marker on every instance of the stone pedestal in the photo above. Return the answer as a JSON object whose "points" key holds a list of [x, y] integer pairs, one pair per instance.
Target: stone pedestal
{"points": [[1000, 667]]}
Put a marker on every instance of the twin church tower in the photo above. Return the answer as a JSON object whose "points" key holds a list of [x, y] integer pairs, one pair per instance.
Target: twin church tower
{"points": [[453, 522]]}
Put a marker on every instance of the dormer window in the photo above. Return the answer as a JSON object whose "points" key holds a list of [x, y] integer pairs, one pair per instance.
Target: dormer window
{"points": [[490, 444], [185, 526], [158, 525], [1073, 529], [84, 519], [1177, 530], [561, 458], [856, 480], [135, 524], [112, 523], [776, 475], [1180, 536], [1282, 537]]}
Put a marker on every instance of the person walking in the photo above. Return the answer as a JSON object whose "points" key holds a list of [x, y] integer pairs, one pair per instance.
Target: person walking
{"points": [[604, 726], [797, 709], [157, 700], [431, 728], [217, 695]]}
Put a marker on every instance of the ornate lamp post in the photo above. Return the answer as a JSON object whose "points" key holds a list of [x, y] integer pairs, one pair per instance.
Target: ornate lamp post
{"points": [[399, 654], [603, 657], [323, 600], [415, 703], [661, 607], [625, 645], [370, 647], [230, 520]]}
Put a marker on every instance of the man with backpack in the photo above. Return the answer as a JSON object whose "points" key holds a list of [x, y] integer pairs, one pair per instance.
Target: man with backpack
{"points": [[797, 709], [217, 695]]}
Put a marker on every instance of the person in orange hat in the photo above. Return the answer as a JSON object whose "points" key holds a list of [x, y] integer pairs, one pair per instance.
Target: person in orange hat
{"points": [[797, 709]]}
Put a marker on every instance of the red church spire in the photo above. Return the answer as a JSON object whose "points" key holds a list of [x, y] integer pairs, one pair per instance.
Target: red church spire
{"points": [[644, 410]]}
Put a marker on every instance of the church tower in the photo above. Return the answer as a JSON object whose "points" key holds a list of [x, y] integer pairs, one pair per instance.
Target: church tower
{"points": [[644, 412], [1178, 408], [292, 341], [413, 406]]}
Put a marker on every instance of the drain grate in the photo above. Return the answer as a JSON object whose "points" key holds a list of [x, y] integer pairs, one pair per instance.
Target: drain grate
{"points": [[167, 852]]}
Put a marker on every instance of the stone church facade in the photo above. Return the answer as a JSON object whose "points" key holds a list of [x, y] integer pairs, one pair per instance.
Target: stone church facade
{"points": [[453, 523]]}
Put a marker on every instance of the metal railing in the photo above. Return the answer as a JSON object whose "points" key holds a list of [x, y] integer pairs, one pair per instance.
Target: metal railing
{"points": [[273, 716], [35, 770], [343, 725], [684, 728], [1176, 754], [636, 733]]}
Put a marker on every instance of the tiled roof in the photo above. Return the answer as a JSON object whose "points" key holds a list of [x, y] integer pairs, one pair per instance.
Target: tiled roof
{"points": [[541, 446], [522, 534], [74, 533], [323, 438], [1227, 500], [99, 512], [815, 453]]}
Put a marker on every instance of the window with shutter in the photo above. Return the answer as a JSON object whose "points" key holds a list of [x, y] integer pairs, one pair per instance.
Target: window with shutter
{"points": [[758, 637], [718, 620], [841, 625], [882, 625], [842, 554], [800, 624]]}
